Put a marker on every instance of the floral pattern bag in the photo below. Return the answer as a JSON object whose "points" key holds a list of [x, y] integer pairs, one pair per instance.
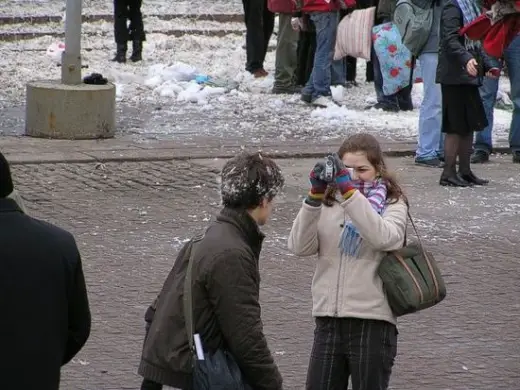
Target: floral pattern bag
{"points": [[394, 58]]}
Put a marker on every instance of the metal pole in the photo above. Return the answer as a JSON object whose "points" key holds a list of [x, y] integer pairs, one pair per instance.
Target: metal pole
{"points": [[71, 57]]}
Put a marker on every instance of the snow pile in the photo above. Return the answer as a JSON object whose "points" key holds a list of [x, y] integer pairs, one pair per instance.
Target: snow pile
{"points": [[179, 81]]}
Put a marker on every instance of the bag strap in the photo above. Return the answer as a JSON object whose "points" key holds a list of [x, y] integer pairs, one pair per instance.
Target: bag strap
{"points": [[426, 257], [413, 61], [416, 232], [188, 295]]}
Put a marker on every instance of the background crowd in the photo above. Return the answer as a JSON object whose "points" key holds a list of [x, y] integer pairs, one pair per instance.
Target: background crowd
{"points": [[306, 39]]}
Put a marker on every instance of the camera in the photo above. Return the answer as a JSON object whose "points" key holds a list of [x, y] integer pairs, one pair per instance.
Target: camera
{"points": [[329, 169]]}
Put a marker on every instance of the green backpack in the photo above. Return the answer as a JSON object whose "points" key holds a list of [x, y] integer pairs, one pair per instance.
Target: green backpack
{"points": [[414, 20]]}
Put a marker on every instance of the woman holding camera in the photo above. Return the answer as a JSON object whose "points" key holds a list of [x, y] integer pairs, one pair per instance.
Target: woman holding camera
{"points": [[350, 223], [460, 71]]}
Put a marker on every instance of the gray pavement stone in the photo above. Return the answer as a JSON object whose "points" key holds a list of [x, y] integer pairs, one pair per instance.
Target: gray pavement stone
{"points": [[131, 218]]}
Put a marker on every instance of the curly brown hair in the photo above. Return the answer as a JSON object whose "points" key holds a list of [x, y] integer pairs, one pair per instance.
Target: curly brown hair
{"points": [[369, 145], [248, 178]]}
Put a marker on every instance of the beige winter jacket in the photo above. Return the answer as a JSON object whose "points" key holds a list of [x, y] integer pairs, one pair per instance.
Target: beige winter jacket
{"points": [[345, 286]]}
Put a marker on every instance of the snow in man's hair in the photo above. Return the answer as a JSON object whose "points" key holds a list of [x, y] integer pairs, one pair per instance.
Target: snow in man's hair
{"points": [[249, 178]]}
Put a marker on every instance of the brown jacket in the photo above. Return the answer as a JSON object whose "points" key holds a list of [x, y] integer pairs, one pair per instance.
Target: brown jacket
{"points": [[226, 288]]}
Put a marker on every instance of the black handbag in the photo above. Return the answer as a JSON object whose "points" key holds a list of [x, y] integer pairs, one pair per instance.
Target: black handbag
{"points": [[218, 370]]}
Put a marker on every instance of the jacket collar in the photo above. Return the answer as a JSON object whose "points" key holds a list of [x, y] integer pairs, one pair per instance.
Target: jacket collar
{"points": [[246, 225], [9, 205]]}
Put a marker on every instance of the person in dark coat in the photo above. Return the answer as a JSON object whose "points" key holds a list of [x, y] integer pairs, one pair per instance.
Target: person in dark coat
{"points": [[43, 299], [124, 11], [461, 67], [225, 286], [259, 28]]}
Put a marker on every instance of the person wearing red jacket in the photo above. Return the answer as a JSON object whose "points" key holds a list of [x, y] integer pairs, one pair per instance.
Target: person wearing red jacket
{"points": [[324, 14], [501, 40], [259, 28], [286, 48]]}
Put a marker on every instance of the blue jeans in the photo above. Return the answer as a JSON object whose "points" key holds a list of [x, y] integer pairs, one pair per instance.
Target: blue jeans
{"points": [[324, 70], [429, 145], [488, 92]]}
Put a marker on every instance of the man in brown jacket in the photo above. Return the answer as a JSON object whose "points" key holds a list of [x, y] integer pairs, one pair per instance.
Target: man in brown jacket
{"points": [[226, 286]]}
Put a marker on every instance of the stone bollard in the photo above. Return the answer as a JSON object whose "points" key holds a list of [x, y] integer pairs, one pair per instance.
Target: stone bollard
{"points": [[70, 109], [83, 111]]}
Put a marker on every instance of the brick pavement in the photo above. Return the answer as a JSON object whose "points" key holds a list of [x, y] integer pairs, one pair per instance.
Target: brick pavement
{"points": [[130, 218]]}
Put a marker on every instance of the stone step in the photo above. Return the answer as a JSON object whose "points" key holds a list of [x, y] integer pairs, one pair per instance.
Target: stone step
{"points": [[19, 36], [43, 19], [270, 48]]}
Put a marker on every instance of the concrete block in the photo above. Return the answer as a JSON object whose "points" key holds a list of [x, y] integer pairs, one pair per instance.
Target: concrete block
{"points": [[84, 111]]}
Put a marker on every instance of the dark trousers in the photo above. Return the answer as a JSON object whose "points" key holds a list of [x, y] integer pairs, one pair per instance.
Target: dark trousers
{"points": [[259, 28], [362, 350], [124, 11], [305, 54]]}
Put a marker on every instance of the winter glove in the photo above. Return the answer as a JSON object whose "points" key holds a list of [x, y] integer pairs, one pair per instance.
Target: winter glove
{"points": [[343, 178], [318, 185]]}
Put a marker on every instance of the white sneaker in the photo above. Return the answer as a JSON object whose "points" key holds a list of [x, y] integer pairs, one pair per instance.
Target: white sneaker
{"points": [[324, 102]]}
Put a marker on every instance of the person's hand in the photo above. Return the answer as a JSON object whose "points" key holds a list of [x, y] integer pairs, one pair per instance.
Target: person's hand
{"points": [[338, 164], [472, 67], [297, 24], [343, 179], [346, 4], [318, 184], [493, 73]]}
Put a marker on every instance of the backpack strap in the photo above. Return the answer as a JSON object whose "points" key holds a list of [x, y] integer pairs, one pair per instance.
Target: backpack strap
{"points": [[413, 60], [188, 296]]}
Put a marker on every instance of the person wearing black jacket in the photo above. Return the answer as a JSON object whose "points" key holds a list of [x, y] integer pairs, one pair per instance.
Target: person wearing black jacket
{"points": [[124, 11], [225, 286], [461, 67], [43, 299], [259, 28]]}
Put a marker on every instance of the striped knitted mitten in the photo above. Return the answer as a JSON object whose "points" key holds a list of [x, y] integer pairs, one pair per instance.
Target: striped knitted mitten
{"points": [[345, 184], [318, 185]]}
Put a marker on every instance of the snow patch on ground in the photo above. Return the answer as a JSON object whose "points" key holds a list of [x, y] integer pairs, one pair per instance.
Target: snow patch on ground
{"points": [[168, 103]]}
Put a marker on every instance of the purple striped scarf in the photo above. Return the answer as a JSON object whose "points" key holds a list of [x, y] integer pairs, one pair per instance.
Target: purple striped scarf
{"points": [[375, 191]]}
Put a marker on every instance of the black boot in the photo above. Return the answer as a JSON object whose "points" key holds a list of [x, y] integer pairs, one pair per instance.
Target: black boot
{"points": [[471, 178], [137, 51], [454, 181], [120, 53]]}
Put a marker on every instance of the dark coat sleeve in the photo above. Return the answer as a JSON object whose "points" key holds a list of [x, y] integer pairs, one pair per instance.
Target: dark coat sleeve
{"points": [[233, 286], [150, 312], [451, 24], [487, 61], [79, 312]]}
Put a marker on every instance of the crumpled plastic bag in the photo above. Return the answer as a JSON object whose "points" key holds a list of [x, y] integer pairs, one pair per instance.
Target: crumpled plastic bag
{"points": [[55, 50]]}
